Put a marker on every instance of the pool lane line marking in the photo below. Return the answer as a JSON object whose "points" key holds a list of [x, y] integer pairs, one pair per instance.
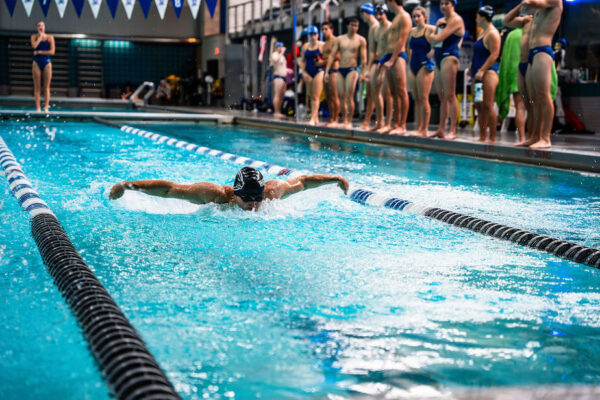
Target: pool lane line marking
{"points": [[560, 248], [93, 307], [20, 186]]}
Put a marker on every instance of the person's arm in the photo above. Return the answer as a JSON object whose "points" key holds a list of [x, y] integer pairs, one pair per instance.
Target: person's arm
{"points": [[401, 43], [322, 62], [512, 18], [539, 4], [493, 44], [199, 193], [302, 62], [282, 189], [363, 58], [35, 40], [449, 30], [331, 58]]}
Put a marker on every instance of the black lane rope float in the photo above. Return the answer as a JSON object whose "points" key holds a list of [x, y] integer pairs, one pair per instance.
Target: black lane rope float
{"points": [[569, 251], [127, 365]]}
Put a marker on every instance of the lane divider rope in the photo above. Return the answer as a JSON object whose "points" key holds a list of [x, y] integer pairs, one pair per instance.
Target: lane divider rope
{"points": [[560, 248], [126, 363]]}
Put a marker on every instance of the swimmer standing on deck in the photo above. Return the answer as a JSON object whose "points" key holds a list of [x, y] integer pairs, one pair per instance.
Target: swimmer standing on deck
{"points": [[248, 191]]}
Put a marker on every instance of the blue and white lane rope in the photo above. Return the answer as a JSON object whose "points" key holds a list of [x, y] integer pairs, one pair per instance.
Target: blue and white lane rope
{"points": [[560, 248], [19, 185]]}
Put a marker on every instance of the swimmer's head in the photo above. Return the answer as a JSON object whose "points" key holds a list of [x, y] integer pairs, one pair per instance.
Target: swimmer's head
{"points": [[41, 26], [249, 188], [381, 9], [367, 8], [447, 5], [313, 30], [486, 12]]}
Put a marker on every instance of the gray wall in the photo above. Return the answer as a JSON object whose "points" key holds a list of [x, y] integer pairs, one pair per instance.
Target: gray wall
{"points": [[105, 25]]}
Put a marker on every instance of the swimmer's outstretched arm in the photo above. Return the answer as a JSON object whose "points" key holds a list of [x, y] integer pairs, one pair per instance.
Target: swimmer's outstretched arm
{"points": [[280, 189], [541, 3], [199, 193]]}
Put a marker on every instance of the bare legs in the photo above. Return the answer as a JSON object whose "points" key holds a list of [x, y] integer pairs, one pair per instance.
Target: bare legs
{"points": [[398, 88], [486, 114], [541, 80], [278, 86], [316, 86], [446, 86], [523, 84], [519, 115], [421, 89], [333, 100], [374, 100], [347, 96]]}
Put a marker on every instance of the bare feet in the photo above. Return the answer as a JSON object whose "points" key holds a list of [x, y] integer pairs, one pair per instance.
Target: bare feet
{"points": [[450, 136], [46, 111], [331, 124], [525, 143], [38, 110], [417, 133], [365, 127], [376, 127], [312, 123], [398, 131], [436, 134], [541, 145], [347, 125], [278, 115], [384, 129], [490, 140]]}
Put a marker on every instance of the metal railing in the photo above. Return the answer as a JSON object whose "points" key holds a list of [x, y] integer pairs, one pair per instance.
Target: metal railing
{"points": [[254, 11]]}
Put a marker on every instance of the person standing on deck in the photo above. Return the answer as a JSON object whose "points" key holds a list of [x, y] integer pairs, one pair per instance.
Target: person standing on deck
{"points": [[350, 46], [43, 47], [484, 71], [421, 68], [312, 73], [446, 42], [366, 14], [539, 72], [331, 85], [279, 77], [394, 61]]}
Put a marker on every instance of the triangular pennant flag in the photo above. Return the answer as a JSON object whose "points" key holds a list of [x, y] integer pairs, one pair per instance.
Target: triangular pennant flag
{"points": [[145, 4], [177, 5], [78, 4], [112, 7], [162, 7], [128, 6], [212, 6], [28, 5], [45, 4], [95, 6], [61, 5], [194, 6], [11, 4]]}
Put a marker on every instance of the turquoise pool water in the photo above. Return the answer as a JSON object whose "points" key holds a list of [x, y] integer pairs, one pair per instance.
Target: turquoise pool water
{"points": [[311, 296]]}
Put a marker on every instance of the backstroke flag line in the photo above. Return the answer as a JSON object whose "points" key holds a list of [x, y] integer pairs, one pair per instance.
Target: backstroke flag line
{"points": [[128, 6], [11, 4], [78, 4], [194, 7], [95, 6], [162, 7], [62, 6], [28, 5]]}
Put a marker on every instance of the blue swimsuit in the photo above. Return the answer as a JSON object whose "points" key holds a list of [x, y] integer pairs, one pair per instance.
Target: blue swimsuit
{"points": [[386, 57], [480, 55], [311, 57], [346, 71], [449, 48], [42, 59], [542, 49], [523, 68], [419, 47]]}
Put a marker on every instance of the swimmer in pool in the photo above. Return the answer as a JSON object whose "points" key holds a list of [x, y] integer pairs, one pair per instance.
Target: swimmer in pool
{"points": [[248, 191]]}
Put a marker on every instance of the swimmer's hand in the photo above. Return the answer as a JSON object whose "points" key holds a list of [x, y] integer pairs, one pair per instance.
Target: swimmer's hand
{"points": [[343, 184], [116, 191]]}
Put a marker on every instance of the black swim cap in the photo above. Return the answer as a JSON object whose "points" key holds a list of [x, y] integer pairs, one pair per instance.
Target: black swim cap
{"points": [[249, 184], [487, 12]]}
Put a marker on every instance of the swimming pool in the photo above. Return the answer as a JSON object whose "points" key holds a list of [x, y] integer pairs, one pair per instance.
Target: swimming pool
{"points": [[312, 295]]}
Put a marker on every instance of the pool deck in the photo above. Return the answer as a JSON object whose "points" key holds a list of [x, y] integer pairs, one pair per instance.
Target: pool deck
{"points": [[219, 118], [579, 152]]}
